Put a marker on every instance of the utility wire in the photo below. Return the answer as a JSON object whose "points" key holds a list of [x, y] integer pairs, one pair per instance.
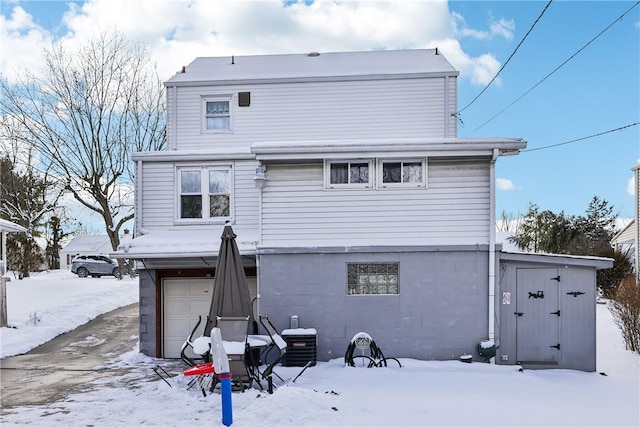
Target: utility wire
{"points": [[581, 139], [559, 66], [507, 61]]}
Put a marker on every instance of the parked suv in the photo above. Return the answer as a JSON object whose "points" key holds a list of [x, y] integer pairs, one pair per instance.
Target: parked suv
{"points": [[94, 266]]}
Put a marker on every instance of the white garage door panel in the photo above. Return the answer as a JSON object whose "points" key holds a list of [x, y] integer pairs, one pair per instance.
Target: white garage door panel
{"points": [[183, 301]]}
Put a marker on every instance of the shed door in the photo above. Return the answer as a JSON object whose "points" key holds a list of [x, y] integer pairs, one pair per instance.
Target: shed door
{"points": [[537, 316]]}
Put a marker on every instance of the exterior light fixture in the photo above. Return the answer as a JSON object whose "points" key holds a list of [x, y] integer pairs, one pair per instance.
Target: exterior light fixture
{"points": [[260, 179]]}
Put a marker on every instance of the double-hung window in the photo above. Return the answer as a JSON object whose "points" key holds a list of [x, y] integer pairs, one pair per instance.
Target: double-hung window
{"points": [[217, 114], [205, 193], [349, 174], [402, 173]]}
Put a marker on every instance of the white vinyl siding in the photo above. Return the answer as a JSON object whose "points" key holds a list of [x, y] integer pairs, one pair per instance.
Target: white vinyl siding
{"points": [[159, 196], [409, 108], [298, 212]]}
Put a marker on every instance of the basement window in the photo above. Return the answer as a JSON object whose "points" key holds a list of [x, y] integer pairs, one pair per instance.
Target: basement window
{"points": [[372, 279]]}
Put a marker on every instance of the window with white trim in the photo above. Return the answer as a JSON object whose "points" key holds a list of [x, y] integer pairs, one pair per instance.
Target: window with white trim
{"points": [[205, 193], [372, 279], [346, 174], [217, 114], [402, 173]]}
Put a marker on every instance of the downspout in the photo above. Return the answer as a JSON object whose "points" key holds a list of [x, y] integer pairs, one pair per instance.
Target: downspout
{"points": [[492, 242], [137, 208], [258, 243]]}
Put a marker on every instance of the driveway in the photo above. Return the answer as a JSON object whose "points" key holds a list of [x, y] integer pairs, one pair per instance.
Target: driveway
{"points": [[68, 363]]}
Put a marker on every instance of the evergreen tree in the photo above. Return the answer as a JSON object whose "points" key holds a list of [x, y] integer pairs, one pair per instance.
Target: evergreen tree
{"points": [[27, 198]]}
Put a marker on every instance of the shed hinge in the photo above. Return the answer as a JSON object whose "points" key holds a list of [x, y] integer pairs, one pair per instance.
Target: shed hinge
{"points": [[557, 278], [557, 346], [518, 314], [557, 313]]}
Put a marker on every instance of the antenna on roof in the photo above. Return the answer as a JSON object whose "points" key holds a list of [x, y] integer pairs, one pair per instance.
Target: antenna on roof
{"points": [[437, 51], [233, 60]]}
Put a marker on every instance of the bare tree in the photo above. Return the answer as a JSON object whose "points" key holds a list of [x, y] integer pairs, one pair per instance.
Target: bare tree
{"points": [[86, 113]]}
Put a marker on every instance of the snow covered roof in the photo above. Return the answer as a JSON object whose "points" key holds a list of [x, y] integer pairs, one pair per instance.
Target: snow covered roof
{"points": [[95, 244], [11, 227], [314, 66], [85, 244], [180, 244], [598, 263]]}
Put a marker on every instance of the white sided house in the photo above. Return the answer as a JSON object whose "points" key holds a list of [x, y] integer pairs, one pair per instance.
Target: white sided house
{"points": [[357, 208]]}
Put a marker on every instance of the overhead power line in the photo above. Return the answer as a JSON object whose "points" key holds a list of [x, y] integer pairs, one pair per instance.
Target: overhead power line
{"points": [[507, 61], [618, 19], [581, 139]]}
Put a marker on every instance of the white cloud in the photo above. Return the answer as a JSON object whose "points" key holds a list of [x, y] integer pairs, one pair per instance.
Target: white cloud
{"points": [[631, 188], [502, 28], [505, 184], [178, 31], [20, 38]]}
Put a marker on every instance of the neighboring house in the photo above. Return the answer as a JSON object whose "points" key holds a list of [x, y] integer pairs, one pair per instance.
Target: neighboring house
{"points": [[625, 241], [356, 206], [88, 245]]}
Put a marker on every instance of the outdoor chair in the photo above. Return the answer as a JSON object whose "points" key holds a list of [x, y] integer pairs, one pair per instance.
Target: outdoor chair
{"points": [[277, 344], [195, 352], [234, 336]]}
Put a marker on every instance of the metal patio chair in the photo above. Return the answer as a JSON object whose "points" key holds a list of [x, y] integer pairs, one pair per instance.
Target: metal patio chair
{"points": [[234, 332], [277, 344]]}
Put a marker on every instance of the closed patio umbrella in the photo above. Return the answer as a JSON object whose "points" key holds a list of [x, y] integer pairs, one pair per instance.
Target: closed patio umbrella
{"points": [[231, 296]]}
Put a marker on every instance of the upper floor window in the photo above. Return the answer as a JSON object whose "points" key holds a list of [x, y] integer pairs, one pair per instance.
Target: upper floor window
{"points": [[372, 279], [349, 173], [371, 173], [409, 173], [217, 114], [205, 192]]}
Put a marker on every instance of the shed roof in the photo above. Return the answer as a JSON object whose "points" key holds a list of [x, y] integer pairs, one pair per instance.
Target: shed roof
{"points": [[315, 67], [598, 263]]}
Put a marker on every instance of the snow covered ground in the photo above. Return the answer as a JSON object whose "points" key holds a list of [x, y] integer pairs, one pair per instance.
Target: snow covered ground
{"points": [[420, 393]]}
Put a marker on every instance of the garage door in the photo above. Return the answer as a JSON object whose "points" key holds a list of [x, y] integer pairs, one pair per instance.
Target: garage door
{"points": [[183, 301]]}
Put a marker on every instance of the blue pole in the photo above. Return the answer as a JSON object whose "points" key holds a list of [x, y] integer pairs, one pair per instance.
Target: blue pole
{"points": [[225, 394]]}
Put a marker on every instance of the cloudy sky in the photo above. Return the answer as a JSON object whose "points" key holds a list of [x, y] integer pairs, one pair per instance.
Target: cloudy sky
{"points": [[574, 73]]}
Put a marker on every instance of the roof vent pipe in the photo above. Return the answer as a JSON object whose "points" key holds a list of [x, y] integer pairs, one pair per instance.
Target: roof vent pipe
{"points": [[437, 51], [184, 69], [233, 60]]}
